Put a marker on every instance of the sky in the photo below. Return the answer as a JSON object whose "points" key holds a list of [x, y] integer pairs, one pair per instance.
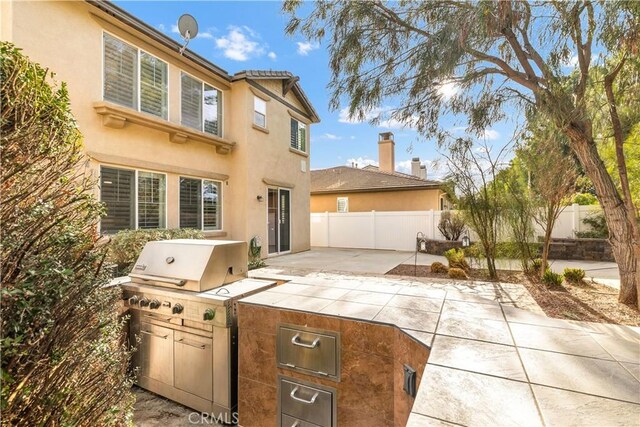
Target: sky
{"points": [[245, 35]]}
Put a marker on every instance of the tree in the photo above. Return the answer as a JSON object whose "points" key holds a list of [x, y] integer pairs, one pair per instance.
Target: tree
{"points": [[498, 55], [474, 170], [553, 178], [63, 357]]}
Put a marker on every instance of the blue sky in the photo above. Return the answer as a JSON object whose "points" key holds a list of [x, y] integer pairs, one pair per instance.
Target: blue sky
{"points": [[250, 35]]}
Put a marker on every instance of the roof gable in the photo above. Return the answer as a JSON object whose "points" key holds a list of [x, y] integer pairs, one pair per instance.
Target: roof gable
{"points": [[345, 179]]}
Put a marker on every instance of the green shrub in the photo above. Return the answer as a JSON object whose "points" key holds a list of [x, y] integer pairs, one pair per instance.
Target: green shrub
{"points": [[438, 267], [574, 275], [584, 199], [550, 278], [126, 245], [536, 265], [63, 360], [456, 259], [475, 251], [457, 273], [598, 224]]}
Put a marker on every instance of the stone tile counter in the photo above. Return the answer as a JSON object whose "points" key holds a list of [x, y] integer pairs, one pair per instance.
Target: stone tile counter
{"points": [[478, 362]]}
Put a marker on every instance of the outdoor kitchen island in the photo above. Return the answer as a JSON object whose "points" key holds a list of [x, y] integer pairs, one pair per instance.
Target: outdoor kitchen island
{"points": [[318, 352]]}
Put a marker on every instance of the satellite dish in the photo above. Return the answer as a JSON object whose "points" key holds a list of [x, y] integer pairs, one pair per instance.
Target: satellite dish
{"points": [[188, 28]]}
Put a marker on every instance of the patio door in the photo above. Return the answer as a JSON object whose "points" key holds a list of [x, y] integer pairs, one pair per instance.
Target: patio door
{"points": [[279, 220]]}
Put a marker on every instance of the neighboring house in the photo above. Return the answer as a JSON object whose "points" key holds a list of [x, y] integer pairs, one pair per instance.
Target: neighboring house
{"points": [[173, 140], [351, 189]]}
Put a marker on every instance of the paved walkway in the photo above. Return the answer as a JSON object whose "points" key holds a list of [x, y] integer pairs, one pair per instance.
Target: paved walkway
{"points": [[381, 261]]}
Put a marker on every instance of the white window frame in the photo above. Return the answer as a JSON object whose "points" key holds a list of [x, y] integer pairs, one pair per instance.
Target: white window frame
{"points": [[135, 193], [255, 110], [346, 204], [138, 77], [306, 138], [220, 105], [220, 198]]}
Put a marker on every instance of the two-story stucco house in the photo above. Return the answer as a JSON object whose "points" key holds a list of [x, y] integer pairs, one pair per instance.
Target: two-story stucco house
{"points": [[174, 140]]}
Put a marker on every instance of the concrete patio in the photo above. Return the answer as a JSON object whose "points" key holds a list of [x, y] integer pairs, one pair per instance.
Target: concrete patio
{"points": [[381, 261]]}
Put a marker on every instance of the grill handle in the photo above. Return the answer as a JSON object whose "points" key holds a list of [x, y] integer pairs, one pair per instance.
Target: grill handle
{"points": [[301, 400], [200, 346], [177, 282], [296, 341], [164, 337]]}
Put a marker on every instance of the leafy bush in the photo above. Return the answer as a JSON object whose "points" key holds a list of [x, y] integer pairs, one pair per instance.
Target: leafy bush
{"points": [[550, 278], [438, 267], [451, 225], [598, 224], [457, 273], [584, 199], [63, 360], [513, 250], [456, 259], [126, 245], [574, 275], [474, 251]]}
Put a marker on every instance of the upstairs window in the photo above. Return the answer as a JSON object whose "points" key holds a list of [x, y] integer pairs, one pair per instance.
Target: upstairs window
{"points": [[201, 106], [343, 204], [298, 135], [135, 79], [200, 204], [259, 112]]}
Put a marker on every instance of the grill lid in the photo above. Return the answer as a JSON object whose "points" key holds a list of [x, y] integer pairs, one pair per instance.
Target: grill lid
{"points": [[194, 265]]}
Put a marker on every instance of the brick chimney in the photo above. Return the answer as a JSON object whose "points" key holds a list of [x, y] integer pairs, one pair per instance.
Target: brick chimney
{"points": [[386, 152]]}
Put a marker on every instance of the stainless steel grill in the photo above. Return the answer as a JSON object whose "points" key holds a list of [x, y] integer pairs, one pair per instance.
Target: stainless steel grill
{"points": [[182, 300]]}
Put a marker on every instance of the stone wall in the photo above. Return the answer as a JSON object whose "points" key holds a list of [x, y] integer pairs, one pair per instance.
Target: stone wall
{"points": [[572, 249]]}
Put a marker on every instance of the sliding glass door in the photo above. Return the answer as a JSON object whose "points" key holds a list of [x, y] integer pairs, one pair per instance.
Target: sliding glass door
{"points": [[279, 220]]}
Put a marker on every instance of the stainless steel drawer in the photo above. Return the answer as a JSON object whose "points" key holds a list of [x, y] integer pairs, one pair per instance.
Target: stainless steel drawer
{"points": [[310, 350], [307, 402], [288, 421]]}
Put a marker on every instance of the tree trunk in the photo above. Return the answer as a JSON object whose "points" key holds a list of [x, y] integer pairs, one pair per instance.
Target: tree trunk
{"points": [[545, 247], [625, 243]]}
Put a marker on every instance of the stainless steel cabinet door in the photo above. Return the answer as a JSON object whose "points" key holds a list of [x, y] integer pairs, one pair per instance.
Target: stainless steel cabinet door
{"points": [[194, 364], [155, 353]]}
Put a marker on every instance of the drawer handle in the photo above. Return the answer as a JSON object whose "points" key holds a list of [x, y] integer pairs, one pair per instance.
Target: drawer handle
{"points": [[162, 319], [201, 346], [295, 341], [301, 400], [164, 337]]}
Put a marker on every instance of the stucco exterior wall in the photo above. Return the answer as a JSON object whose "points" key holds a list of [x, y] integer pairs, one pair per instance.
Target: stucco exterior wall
{"points": [[381, 201], [67, 38]]}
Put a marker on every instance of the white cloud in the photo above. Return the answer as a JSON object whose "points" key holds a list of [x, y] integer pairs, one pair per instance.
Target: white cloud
{"points": [[240, 44], [361, 162], [404, 166], [272, 56], [448, 90], [331, 136], [490, 134], [305, 47], [384, 113], [573, 61], [161, 27], [205, 34]]}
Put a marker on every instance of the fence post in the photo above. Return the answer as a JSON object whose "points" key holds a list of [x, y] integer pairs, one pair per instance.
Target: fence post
{"points": [[326, 217], [575, 218], [433, 225], [373, 228]]}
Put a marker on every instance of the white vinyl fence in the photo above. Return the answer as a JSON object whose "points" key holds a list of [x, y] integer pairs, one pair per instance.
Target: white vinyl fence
{"points": [[397, 230]]}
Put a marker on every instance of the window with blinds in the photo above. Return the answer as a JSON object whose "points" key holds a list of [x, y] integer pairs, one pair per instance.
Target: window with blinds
{"points": [[153, 86], [117, 192], [260, 112], [201, 106], [343, 204], [151, 200], [200, 204], [298, 135], [129, 72], [190, 203], [120, 72]]}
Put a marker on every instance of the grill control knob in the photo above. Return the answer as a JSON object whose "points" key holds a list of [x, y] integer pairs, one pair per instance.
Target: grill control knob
{"points": [[209, 314], [154, 304], [177, 309], [144, 302], [133, 300]]}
